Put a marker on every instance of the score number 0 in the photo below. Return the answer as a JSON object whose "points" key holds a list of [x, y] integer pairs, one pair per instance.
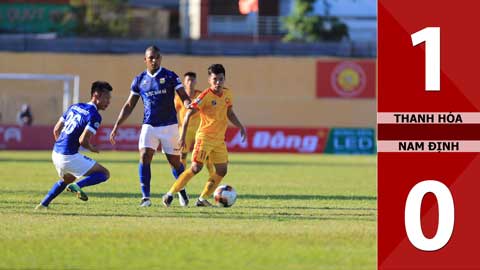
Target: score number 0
{"points": [[446, 210]]}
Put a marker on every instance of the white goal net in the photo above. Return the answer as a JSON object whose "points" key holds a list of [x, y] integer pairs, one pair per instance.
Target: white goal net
{"points": [[47, 94]]}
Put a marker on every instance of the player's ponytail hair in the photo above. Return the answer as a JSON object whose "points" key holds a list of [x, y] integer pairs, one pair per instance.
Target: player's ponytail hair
{"points": [[100, 86], [216, 69]]}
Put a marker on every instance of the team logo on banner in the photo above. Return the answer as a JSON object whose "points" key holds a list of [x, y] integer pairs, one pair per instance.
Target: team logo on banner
{"points": [[348, 79]]}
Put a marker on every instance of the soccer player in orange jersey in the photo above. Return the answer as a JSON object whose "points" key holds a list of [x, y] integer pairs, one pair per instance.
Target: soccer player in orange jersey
{"points": [[215, 108], [189, 81]]}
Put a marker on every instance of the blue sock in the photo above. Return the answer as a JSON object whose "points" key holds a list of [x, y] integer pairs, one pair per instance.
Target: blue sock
{"points": [[145, 175], [176, 173], [57, 188], [92, 179]]}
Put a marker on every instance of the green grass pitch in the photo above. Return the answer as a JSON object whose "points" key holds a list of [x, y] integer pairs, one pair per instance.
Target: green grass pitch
{"points": [[292, 212]]}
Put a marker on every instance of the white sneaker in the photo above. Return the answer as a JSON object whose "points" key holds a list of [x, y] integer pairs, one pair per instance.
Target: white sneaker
{"points": [[145, 202], [167, 200], [183, 198]]}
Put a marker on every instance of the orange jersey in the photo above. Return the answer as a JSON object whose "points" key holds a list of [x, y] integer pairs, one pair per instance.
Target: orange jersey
{"points": [[213, 114], [181, 111]]}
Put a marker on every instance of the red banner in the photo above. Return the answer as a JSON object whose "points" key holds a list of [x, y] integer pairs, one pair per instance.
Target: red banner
{"points": [[278, 140], [268, 140], [26, 138], [127, 138], [346, 79]]}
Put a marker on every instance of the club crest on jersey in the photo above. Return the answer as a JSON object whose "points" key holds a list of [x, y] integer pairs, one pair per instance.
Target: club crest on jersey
{"points": [[214, 102], [162, 80]]}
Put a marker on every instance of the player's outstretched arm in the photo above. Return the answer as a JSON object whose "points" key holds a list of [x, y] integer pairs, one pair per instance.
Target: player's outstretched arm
{"points": [[184, 96], [124, 114], [58, 129], [234, 119], [84, 141]]}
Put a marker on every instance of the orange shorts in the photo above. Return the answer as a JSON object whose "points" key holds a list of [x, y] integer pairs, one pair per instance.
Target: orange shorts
{"points": [[216, 151]]}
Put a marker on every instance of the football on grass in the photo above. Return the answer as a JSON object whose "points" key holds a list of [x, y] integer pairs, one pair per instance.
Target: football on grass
{"points": [[225, 195]]}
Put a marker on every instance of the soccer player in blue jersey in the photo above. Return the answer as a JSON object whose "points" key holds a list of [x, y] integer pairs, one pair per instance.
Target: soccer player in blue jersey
{"points": [[74, 129], [156, 86]]}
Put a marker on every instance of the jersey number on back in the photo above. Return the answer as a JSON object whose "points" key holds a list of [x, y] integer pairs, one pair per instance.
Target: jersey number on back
{"points": [[71, 122]]}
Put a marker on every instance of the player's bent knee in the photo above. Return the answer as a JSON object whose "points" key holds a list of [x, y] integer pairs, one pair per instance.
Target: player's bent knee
{"points": [[196, 168], [146, 155], [221, 169], [222, 173], [174, 161], [68, 179]]}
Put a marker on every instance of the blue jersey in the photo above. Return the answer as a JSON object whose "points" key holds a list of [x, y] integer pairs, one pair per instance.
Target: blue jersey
{"points": [[157, 92], [76, 119]]}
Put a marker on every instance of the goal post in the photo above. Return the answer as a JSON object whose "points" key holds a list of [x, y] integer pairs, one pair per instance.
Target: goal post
{"points": [[71, 84]]}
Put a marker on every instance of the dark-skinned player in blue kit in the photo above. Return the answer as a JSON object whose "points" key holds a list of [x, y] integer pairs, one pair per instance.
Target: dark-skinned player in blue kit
{"points": [[156, 86]]}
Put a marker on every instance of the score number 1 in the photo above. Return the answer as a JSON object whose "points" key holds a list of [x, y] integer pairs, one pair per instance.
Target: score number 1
{"points": [[446, 210], [431, 36]]}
